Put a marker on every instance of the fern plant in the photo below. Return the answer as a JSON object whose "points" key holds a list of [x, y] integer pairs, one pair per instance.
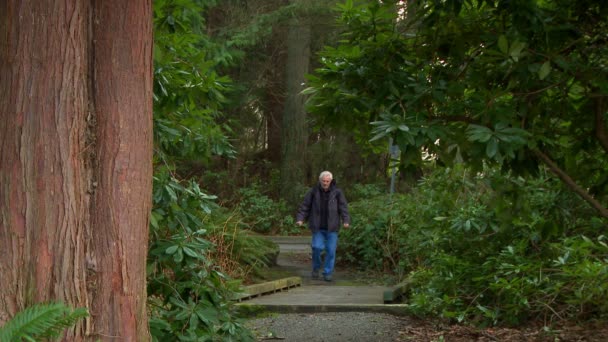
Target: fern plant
{"points": [[41, 321]]}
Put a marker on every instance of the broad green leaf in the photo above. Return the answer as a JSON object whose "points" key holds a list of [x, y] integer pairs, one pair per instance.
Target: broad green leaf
{"points": [[479, 133], [193, 321], [544, 70], [492, 147], [153, 221], [503, 45], [171, 193], [179, 256], [378, 136], [190, 252], [516, 49], [172, 249]]}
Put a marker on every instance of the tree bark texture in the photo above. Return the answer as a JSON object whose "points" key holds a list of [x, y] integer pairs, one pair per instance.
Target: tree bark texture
{"points": [[75, 160], [275, 96], [294, 128]]}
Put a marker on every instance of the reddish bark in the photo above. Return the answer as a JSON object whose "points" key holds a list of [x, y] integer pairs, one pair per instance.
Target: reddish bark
{"points": [[75, 160]]}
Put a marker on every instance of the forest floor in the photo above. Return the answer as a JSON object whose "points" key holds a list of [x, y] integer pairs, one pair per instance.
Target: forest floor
{"points": [[425, 331], [361, 326]]}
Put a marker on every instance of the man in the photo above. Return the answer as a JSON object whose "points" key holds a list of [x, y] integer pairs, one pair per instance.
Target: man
{"points": [[324, 206]]}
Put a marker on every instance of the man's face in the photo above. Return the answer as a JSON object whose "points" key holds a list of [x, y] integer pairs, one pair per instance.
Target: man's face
{"points": [[325, 181]]}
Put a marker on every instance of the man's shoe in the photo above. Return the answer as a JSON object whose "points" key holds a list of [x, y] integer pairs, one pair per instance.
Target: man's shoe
{"points": [[327, 277], [315, 274]]}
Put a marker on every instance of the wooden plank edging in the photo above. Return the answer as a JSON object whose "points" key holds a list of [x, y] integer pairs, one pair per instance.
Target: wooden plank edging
{"points": [[274, 286]]}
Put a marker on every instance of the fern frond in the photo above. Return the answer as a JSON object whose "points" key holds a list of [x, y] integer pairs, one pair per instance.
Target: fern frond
{"points": [[41, 321]]}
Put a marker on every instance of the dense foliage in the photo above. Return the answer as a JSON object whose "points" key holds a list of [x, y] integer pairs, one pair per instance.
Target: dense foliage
{"points": [[195, 251], [489, 84], [486, 248], [516, 83], [265, 215], [190, 252], [188, 92]]}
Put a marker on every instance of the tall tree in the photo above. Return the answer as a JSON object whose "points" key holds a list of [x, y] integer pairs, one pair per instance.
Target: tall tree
{"points": [[275, 96], [75, 160], [294, 128], [265, 31]]}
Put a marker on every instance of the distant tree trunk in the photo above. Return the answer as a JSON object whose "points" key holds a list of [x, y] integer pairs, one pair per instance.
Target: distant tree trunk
{"points": [[274, 118], [275, 96], [294, 131], [75, 160]]}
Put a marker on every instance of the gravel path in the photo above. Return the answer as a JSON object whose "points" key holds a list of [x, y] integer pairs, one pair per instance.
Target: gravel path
{"points": [[326, 326], [367, 326], [363, 327], [329, 327]]}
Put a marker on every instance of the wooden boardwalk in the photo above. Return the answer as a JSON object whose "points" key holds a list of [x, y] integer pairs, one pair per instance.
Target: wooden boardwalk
{"points": [[300, 293]]}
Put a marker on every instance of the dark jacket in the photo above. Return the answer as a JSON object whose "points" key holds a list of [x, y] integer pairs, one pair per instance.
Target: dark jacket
{"points": [[337, 208]]}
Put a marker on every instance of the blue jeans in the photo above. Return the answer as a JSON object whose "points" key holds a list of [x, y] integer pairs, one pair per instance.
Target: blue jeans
{"points": [[328, 241]]}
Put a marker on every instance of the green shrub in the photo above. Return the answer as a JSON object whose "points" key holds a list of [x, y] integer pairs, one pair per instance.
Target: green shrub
{"points": [[240, 254], [377, 238], [189, 293], [361, 192], [262, 214], [486, 248]]}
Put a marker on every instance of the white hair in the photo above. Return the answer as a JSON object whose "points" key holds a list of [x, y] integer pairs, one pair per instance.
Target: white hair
{"points": [[325, 174]]}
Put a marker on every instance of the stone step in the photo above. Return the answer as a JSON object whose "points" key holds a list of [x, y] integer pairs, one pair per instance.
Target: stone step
{"points": [[250, 309]]}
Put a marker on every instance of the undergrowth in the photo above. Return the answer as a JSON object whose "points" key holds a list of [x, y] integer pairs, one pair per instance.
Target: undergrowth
{"points": [[488, 248], [262, 214], [197, 255]]}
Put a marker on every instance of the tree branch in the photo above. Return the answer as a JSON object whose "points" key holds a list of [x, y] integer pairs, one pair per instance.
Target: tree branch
{"points": [[600, 124], [534, 92], [564, 177]]}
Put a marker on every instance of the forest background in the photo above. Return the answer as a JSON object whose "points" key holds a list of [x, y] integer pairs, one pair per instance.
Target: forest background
{"points": [[491, 113], [469, 137]]}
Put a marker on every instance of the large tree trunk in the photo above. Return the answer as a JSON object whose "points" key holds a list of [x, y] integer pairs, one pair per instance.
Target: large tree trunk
{"points": [[75, 160], [294, 129]]}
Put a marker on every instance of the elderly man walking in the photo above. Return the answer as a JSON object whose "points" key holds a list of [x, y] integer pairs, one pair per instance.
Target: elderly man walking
{"points": [[324, 206]]}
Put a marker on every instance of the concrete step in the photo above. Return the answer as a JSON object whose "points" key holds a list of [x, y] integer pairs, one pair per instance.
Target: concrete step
{"points": [[278, 239], [249, 309]]}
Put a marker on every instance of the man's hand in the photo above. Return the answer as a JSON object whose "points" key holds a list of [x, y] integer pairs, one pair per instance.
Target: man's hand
{"points": [[346, 225], [299, 223]]}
